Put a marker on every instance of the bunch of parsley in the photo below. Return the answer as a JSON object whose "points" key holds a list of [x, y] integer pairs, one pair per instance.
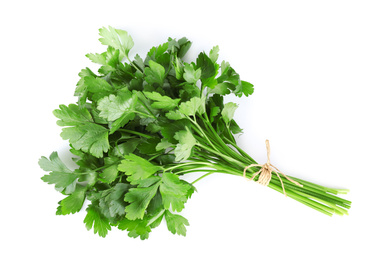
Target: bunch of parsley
{"points": [[140, 124]]}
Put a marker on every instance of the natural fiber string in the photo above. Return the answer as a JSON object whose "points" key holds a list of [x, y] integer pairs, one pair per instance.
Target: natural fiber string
{"points": [[265, 173]]}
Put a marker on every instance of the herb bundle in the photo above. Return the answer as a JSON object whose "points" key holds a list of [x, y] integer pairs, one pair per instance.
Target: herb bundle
{"points": [[140, 124]]}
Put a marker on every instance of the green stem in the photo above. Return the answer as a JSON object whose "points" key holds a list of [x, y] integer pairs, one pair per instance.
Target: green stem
{"points": [[154, 156], [154, 218], [221, 143], [223, 156], [319, 194], [203, 176], [214, 153], [187, 163], [333, 191], [145, 115], [134, 132], [328, 203], [202, 133], [242, 152], [132, 64], [304, 199], [147, 109]]}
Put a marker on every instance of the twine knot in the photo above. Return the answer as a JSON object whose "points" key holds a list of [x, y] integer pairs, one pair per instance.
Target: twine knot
{"points": [[265, 173]]}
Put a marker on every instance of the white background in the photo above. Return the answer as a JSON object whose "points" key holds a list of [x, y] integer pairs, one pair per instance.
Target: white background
{"points": [[317, 70]]}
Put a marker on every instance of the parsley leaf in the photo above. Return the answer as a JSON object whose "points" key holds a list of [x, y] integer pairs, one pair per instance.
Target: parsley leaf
{"points": [[191, 75], [95, 219], [97, 87], [117, 39], [163, 102], [59, 174], [137, 168], [176, 223], [83, 134], [193, 106], [155, 73], [245, 88], [185, 45], [88, 137], [139, 199], [175, 115], [110, 172], [213, 54], [118, 109], [73, 203], [228, 111], [136, 228], [112, 202], [72, 115], [206, 65], [184, 147], [173, 191]]}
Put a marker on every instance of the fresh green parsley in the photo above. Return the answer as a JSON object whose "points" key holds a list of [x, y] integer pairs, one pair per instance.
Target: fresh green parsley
{"points": [[140, 124]]}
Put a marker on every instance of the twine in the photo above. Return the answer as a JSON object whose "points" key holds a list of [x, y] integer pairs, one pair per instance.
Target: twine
{"points": [[266, 170]]}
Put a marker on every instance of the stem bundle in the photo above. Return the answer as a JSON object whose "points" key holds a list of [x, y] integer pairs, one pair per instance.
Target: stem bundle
{"points": [[222, 155]]}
